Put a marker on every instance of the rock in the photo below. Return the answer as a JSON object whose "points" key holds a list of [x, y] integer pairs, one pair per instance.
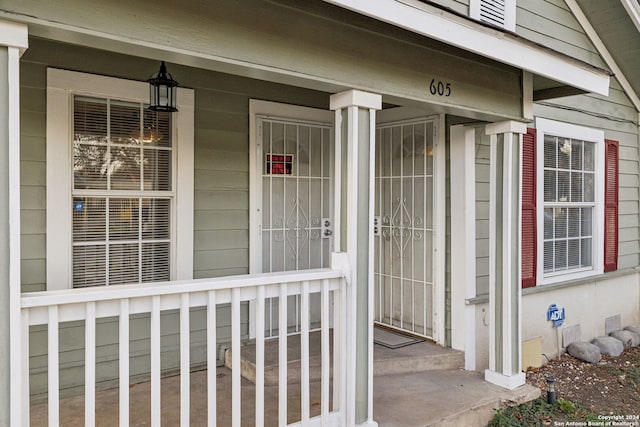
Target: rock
{"points": [[609, 345], [634, 329], [584, 351], [628, 338]]}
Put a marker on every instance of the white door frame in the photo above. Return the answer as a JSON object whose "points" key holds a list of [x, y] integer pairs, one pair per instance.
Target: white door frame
{"points": [[439, 213], [273, 110]]}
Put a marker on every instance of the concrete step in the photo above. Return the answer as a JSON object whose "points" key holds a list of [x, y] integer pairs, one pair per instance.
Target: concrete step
{"points": [[443, 398], [419, 357]]}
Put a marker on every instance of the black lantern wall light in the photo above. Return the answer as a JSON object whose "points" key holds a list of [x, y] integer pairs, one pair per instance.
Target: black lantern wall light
{"points": [[162, 91]]}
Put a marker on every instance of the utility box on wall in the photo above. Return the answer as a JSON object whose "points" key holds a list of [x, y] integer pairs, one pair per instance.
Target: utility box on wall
{"points": [[532, 353]]}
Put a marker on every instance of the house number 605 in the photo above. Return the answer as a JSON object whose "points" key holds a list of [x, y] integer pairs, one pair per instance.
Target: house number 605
{"points": [[439, 88]]}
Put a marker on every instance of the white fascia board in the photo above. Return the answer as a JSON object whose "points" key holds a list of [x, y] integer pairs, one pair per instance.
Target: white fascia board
{"points": [[429, 21], [633, 9]]}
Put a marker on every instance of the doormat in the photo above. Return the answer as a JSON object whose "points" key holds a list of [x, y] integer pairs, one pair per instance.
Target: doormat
{"points": [[391, 339]]}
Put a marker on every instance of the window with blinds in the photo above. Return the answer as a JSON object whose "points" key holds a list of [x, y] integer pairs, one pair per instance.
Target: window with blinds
{"points": [[569, 203], [122, 195]]}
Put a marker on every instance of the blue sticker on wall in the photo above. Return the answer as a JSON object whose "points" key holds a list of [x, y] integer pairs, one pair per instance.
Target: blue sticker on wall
{"points": [[555, 315], [78, 206]]}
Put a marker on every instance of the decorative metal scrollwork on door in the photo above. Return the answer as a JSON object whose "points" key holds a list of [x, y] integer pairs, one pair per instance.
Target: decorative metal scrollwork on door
{"points": [[400, 227], [298, 229]]}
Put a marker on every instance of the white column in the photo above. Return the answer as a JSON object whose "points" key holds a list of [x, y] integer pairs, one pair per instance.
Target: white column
{"points": [[354, 175], [13, 42], [504, 255], [463, 241]]}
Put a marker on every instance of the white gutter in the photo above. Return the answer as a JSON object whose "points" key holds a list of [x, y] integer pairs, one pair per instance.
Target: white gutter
{"points": [[435, 23]]}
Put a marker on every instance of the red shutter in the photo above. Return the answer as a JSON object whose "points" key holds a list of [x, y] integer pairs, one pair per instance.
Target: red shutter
{"points": [[611, 206], [529, 220]]}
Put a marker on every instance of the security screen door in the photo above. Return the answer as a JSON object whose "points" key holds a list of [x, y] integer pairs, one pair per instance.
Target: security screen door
{"points": [[403, 226], [295, 161]]}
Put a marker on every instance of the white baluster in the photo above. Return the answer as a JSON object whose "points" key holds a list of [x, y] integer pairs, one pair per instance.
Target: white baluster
{"points": [[185, 359], [90, 365], [54, 394], [211, 358], [282, 353], [156, 403], [124, 362], [260, 326]]}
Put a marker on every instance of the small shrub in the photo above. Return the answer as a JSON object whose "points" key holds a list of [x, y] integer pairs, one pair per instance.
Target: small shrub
{"points": [[540, 413], [566, 406]]}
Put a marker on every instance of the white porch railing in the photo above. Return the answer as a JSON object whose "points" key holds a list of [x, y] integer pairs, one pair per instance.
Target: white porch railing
{"points": [[88, 305]]}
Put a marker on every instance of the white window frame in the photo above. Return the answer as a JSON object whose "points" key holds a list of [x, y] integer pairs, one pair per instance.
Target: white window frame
{"points": [[509, 13], [62, 85], [566, 130]]}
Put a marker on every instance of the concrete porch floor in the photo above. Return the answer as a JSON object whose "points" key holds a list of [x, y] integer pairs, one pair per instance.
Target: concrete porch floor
{"points": [[435, 397]]}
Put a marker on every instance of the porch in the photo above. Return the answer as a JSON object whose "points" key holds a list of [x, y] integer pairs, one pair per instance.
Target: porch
{"points": [[417, 385], [438, 395], [205, 186]]}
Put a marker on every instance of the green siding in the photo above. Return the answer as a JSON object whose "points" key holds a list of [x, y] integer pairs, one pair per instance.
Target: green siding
{"points": [[459, 6], [33, 176], [221, 205], [551, 23], [482, 212]]}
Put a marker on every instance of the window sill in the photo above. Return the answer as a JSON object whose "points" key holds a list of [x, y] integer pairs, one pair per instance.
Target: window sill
{"points": [[483, 299]]}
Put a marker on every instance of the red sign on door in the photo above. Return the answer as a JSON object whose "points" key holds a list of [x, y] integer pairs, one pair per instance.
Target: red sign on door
{"points": [[279, 164]]}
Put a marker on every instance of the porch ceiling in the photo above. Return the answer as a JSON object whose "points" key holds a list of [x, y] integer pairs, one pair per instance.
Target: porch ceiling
{"points": [[325, 45], [313, 45]]}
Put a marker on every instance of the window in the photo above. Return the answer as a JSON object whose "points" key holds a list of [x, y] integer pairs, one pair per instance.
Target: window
{"points": [[501, 13], [569, 203], [121, 193], [114, 216], [570, 200]]}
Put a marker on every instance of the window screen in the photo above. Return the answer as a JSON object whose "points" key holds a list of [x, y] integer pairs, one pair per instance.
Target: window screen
{"points": [[122, 195], [569, 203]]}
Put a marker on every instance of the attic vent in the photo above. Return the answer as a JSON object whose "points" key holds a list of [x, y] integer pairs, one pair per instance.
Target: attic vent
{"points": [[500, 13], [492, 12]]}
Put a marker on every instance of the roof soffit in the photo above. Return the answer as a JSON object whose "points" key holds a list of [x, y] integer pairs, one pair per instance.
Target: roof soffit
{"points": [[617, 24]]}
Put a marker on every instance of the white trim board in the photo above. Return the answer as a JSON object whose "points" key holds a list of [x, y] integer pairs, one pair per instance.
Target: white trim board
{"points": [[463, 240], [633, 9], [429, 21]]}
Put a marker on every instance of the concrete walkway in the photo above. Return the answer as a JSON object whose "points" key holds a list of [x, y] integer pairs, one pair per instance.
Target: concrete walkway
{"points": [[441, 398]]}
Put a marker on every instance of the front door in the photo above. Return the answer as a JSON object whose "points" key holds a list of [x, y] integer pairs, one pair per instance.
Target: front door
{"points": [[291, 197], [404, 225]]}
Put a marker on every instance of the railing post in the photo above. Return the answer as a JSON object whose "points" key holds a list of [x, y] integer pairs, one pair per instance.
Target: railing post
{"points": [[355, 139], [13, 42]]}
